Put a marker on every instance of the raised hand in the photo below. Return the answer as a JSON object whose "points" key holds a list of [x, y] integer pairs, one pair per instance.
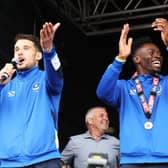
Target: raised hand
{"points": [[124, 44], [161, 24], [47, 34]]}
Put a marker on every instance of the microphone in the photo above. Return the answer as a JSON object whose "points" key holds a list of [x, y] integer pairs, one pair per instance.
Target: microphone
{"points": [[14, 62], [5, 75]]}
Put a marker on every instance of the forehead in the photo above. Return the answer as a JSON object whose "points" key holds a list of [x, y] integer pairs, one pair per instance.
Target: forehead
{"points": [[100, 111], [23, 42], [150, 46]]}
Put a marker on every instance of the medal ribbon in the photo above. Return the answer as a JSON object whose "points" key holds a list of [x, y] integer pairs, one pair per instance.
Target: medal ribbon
{"points": [[147, 107]]}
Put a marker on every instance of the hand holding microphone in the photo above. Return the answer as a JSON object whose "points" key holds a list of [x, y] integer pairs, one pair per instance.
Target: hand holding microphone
{"points": [[7, 72]]}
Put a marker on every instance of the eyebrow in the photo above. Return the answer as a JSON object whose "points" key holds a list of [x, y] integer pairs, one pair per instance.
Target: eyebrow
{"points": [[153, 49], [24, 46]]}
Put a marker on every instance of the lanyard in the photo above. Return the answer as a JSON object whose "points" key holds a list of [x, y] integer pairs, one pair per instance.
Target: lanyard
{"points": [[147, 107]]}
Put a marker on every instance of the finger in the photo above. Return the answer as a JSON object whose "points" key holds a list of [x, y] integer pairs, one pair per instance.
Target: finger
{"points": [[46, 30], [56, 26], [42, 38], [159, 29], [159, 22], [42, 34], [12, 72], [49, 29], [130, 41], [123, 33], [160, 19]]}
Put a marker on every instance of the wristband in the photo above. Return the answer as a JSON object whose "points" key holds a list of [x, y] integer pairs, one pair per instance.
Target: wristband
{"points": [[120, 60], [48, 50]]}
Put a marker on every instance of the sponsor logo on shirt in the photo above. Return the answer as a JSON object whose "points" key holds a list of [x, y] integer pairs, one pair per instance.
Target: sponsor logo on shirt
{"points": [[36, 87], [11, 93]]}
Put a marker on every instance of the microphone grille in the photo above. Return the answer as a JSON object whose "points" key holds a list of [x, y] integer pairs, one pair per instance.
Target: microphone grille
{"points": [[15, 60]]}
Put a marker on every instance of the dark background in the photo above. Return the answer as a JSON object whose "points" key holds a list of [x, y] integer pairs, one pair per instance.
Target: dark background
{"points": [[84, 58]]}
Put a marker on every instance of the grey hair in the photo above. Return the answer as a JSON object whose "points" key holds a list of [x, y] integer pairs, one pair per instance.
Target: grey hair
{"points": [[90, 113]]}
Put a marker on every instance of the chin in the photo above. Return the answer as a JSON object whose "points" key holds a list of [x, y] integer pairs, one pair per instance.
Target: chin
{"points": [[21, 68], [156, 70]]}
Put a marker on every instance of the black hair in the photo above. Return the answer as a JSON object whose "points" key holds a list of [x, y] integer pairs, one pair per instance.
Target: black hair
{"points": [[139, 42], [30, 37]]}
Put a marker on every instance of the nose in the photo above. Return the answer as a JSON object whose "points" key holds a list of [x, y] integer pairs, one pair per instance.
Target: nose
{"points": [[19, 51], [157, 53], [105, 117]]}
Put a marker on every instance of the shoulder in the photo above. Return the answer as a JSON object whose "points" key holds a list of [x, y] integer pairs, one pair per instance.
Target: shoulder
{"points": [[77, 140], [78, 137], [112, 139]]}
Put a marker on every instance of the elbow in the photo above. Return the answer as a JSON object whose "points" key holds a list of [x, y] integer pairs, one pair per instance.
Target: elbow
{"points": [[99, 93]]}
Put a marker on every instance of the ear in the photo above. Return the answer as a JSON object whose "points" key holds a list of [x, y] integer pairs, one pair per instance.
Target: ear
{"points": [[90, 120], [136, 59], [38, 56]]}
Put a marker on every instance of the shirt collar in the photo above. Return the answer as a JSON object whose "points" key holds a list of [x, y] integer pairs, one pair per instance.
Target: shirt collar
{"points": [[143, 77], [88, 136], [30, 72]]}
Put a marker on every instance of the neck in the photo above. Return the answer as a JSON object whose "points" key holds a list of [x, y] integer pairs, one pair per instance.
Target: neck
{"points": [[146, 72], [96, 134]]}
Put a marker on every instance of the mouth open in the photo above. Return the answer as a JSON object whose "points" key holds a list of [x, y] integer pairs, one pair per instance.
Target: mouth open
{"points": [[156, 63], [21, 61]]}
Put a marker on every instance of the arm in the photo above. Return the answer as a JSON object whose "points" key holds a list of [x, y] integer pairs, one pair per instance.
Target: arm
{"points": [[109, 87], [161, 24], [52, 64], [68, 153]]}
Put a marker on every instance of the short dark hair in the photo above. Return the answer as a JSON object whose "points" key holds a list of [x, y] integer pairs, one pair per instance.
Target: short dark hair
{"points": [[30, 37], [139, 42]]}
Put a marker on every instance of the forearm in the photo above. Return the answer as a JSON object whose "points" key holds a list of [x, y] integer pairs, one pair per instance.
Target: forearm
{"points": [[54, 75]]}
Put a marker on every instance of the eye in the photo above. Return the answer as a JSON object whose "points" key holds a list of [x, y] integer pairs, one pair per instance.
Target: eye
{"points": [[26, 47], [16, 49], [151, 52]]}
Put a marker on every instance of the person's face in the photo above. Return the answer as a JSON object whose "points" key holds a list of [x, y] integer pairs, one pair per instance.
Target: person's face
{"points": [[100, 120], [148, 59], [27, 54]]}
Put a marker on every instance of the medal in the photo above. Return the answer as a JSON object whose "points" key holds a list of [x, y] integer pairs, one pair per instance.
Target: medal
{"points": [[148, 125]]}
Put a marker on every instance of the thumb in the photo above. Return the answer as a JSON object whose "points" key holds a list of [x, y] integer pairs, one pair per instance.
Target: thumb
{"points": [[56, 26]]}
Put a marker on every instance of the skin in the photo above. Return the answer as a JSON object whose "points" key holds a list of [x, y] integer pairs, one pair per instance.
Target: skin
{"points": [[161, 24], [98, 123], [147, 59], [28, 54], [124, 44]]}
